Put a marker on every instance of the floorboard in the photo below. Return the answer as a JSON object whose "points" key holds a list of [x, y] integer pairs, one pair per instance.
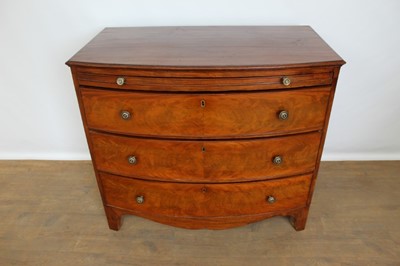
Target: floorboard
{"points": [[51, 214]]}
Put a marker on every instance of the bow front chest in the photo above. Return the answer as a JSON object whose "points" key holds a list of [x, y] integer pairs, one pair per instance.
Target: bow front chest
{"points": [[206, 127]]}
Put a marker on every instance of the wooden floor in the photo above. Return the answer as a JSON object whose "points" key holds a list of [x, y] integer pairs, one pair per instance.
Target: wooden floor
{"points": [[51, 214]]}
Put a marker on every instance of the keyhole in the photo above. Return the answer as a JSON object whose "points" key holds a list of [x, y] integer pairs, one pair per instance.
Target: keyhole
{"points": [[203, 149], [203, 103]]}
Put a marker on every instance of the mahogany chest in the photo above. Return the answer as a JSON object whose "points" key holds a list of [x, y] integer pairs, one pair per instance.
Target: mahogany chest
{"points": [[206, 127]]}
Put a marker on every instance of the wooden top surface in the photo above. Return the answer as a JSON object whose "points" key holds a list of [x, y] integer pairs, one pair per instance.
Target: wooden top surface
{"points": [[207, 47]]}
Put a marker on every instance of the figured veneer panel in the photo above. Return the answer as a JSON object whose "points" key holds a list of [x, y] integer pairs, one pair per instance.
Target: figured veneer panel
{"points": [[226, 115], [256, 114], [205, 200], [151, 114], [205, 161]]}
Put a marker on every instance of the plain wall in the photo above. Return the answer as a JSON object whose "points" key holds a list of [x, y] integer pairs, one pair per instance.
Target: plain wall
{"points": [[38, 108]]}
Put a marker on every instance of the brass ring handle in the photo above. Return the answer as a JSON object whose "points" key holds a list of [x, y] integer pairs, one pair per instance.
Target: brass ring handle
{"points": [[271, 199], [132, 159], [283, 115], [125, 115], [120, 81], [140, 199], [286, 81], [277, 160]]}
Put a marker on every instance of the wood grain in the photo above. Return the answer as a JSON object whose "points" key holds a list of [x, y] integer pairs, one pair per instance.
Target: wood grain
{"points": [[204, 105], [205, 161], [256, 114], [115, 216], [151, 114], [226, 72], [207, 47], [197, 84], [52, 214], [324, 132], [205, 200], [227, 115]]}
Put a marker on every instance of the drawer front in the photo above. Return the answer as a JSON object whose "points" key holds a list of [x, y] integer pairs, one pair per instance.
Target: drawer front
{"points": [[260, 114], [227, 115], [205, 200], [281, 80], [149, 113], [205, 161]]}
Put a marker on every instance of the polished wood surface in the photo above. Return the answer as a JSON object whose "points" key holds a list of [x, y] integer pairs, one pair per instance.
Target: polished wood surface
{"points": [[205, 200], [51, 214], [151, 114], [227, 115], [257, 113], [208, 115], [150, 74], [205, 161], [297, 218], [207, 47], [213, 84]]}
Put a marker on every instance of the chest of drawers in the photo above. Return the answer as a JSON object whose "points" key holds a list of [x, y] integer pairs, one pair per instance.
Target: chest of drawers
{"points": [[206, 127]]}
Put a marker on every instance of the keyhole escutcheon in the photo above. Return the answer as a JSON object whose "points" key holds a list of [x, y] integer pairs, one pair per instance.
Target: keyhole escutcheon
{"points": [[203, 103]]}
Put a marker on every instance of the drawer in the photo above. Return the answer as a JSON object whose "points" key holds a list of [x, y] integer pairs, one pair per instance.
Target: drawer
{"points": [[278, 80], [205, 161], [215, 115], [205, 200]]}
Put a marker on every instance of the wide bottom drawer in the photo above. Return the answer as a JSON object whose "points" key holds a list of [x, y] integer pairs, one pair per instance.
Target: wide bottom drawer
{"points": [[205, 200]]}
